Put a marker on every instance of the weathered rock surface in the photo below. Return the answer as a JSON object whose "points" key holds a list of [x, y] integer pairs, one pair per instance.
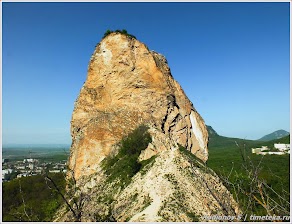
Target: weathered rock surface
{"points": [[128, 85], [174, 187]]}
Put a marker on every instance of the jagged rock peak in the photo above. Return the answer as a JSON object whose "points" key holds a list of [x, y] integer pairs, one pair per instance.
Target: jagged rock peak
{"points": [[128, 85]]}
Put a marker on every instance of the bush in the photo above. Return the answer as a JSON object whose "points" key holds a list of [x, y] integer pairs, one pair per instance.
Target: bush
{"points": [[125, 164], [124, 32], [107, 33], [136, 141]]}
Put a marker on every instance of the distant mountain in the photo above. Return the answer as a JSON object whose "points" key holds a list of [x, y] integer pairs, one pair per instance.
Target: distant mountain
{"points": [[211, 131], [275, 135], [217, 141]]}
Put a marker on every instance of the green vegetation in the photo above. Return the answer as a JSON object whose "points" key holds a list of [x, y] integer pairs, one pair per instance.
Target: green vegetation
{"points": [[120, 168], [31, 198], [119, 31], [146, 164], [233, 161], [11, 176], [55, 158], [265, 178], [195, 160], [123, 166], [270, 144], [42, 154], [193, 217]]}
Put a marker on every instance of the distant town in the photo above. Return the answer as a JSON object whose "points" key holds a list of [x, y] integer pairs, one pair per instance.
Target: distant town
{"points": [[279, 149], [12, 169]]}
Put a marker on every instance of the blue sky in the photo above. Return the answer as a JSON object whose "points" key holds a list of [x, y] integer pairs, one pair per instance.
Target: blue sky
{"points": [[232, 60]]}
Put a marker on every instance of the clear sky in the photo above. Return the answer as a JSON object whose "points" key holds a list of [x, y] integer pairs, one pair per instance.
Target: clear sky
{"points": [[232, 60]]}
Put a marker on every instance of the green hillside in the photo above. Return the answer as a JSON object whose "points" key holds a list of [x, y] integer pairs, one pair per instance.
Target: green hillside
{"points": [[284, 140], [228, 157], [31, 199]]}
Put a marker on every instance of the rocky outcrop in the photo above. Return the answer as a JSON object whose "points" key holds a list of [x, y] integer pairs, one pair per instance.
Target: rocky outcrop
{"points": [[128, 85], [174, 187]]}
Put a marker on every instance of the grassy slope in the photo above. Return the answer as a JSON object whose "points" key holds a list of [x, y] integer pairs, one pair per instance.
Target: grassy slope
{"points": [[223, 151], [225, 154]]}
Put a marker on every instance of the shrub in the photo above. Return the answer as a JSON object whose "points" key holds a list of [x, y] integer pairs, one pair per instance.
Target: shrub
{"points": [[125, 164], [136, 141], [107, 33], [124, 32]]}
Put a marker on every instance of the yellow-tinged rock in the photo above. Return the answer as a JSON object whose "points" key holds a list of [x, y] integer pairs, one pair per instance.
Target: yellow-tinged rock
{"points": [[128, 85]]}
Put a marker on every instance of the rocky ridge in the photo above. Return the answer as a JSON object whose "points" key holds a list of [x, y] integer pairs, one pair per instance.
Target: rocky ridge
{"points": [[128, 86], [174, 187]]}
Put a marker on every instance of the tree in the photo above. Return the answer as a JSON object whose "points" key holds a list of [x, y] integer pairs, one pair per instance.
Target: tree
{"points": [[74, 198]]}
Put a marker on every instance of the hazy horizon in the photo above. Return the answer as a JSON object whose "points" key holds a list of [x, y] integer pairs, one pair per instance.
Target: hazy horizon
{"points": [[36, 145], [61, 145]]}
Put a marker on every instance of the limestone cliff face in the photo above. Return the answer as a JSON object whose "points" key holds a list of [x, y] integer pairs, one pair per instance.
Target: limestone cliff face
{"points": [[128, 85]]}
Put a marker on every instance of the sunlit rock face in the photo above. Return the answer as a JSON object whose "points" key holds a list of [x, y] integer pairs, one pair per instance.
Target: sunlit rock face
{"points": [[128, 85]]}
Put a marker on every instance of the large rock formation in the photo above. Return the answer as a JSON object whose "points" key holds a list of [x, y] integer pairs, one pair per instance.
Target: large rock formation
{"points": [[128, 85]]}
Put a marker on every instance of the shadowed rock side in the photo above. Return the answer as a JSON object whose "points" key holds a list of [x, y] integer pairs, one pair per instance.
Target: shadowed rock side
{"points": [[128, 85]]}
